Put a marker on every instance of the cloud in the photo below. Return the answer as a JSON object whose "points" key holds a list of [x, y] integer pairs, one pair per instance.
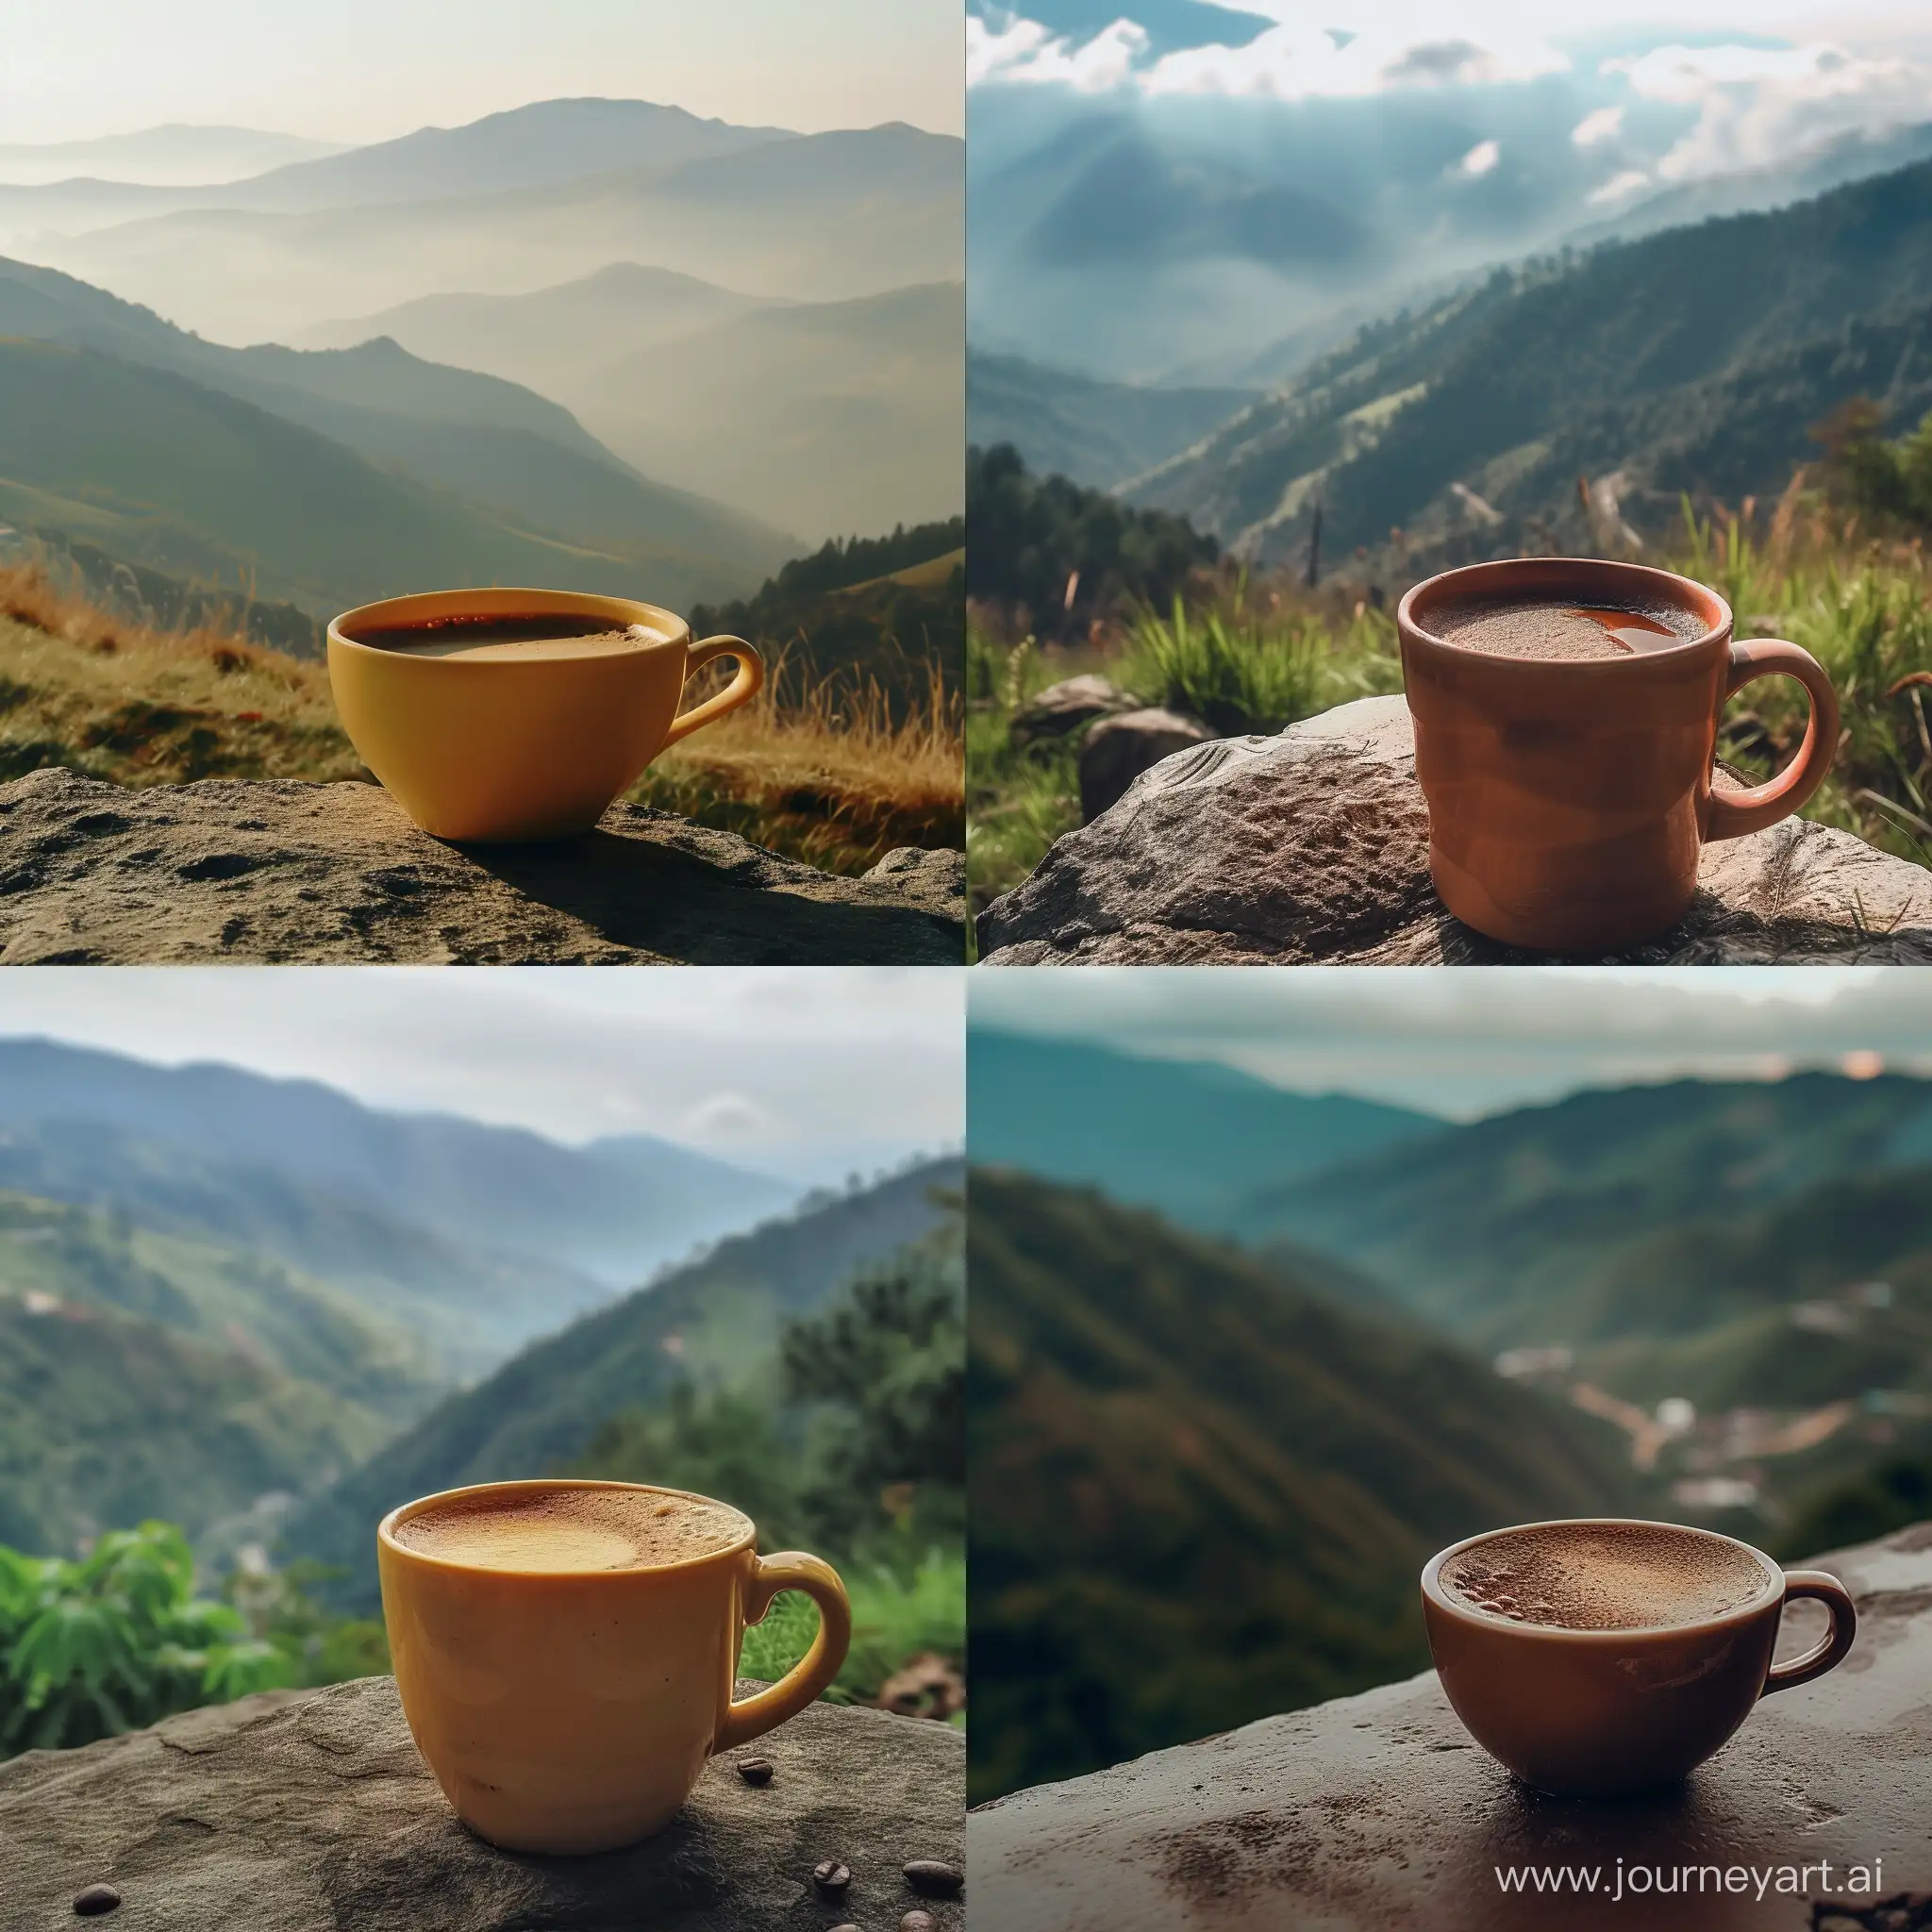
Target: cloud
{"points": [[1479, 160], [1604, 125], [1023, 51], [1619, 187], [1291, 61], [1757, 106], [728, 1118]]}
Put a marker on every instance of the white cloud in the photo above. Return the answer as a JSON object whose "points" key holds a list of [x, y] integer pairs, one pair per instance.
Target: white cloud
{"points": [[1761, 105], [1602, 125], [1291, 61], [1025, 51], [1619, 187], [1479, 160]]}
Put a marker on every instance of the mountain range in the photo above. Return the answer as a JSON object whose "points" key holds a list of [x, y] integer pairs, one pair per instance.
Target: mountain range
{"points": [[828, 418], [327, 477], [1695, 360], [1197, 1140], [818, 217], [705, 1322], [588, 342], [1266, 188], [1202, 1488]]}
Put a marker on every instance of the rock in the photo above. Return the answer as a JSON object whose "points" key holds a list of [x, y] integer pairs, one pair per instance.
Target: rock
{"points": [[1119, 749], [320, 1815], [1313, 847], [1063, 708], [285, 872], [1379, 1812]]}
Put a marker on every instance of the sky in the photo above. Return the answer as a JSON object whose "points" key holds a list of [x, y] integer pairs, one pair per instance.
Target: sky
{"points": [[810, 1073], [369, 70], [1463, 1043], [1763, 79]]}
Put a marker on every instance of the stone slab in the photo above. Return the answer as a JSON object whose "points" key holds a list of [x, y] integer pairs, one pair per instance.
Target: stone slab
{"points": [[1379, 1813], [284, 872], [319, 1816], [1312, 848]]}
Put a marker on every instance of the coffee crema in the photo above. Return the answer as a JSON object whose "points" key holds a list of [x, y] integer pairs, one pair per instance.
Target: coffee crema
{"points": [[1554, 630], [549, 1530], [523, 638], [1603, 1576]]}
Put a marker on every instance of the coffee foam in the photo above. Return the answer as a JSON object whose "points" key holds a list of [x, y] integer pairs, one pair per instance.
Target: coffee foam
{"points": [[572, 1529], [1605, 1576], [1553, 630]]}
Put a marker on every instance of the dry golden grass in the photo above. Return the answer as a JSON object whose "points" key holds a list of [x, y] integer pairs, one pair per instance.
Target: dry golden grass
{"points": [[824, 774]]}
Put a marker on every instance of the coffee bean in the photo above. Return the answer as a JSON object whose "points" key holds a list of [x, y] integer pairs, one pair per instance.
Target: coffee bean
{"points": [[828, 1874], [934, 1877], [916, 1922], [95, 1900], [755, 1771]]}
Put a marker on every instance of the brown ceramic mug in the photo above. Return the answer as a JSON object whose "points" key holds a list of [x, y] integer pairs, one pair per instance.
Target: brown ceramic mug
{"points": [[1569, 799], [1604, 1712]]}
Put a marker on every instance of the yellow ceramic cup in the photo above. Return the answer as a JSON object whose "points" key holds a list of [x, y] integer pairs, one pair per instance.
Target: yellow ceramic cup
{"points": [[506, 748], [571, 1711]]}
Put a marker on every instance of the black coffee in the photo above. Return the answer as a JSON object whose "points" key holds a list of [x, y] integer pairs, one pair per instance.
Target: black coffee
{"points": [[1603, 1576], [550, 636], [1549, 629]]}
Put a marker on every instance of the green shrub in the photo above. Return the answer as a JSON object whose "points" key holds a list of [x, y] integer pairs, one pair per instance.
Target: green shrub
{"points": [[116, 1640]]}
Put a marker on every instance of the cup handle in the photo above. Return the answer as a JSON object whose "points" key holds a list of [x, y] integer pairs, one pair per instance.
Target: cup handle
{"points": [[1733, 813], [1837, 1641], [742, 689], [791, 1570]]}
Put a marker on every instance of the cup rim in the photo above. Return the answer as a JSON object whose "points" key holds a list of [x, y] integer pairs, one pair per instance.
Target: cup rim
{"points": [[506, 600], [386, 1539], [1413, 631], [1433, 1592]]}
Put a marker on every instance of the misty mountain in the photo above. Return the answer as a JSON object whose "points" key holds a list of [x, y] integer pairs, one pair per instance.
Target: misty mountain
{"points": [[1173, 235], [108, 1418], [175, 155], [1481, 1228], [506, 450], [546, 339], [1198, 1142], [821, 217], [533, 147], [1201, 1489], [705, 1322], [468, 1184], [1098, 433], [831, 419], [1693, 360]]}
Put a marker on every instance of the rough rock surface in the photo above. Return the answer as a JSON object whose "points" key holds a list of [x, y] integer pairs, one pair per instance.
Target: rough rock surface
{"points": [[287, 872], [1119, 749], [319, 1816], [1066, 706], [1380, 1811], [1313, 847]]}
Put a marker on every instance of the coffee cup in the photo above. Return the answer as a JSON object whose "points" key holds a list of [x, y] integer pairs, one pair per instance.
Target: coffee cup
{"points": [[504, 715], [566, 1651], [1571, 797], [1541, 1640]]}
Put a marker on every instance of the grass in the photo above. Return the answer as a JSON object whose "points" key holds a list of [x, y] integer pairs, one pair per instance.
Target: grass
{"points": [[821, 773], [894, 1619], [1245, 657]]}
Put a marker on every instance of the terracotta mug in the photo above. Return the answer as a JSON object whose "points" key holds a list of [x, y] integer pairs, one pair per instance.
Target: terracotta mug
{"points": [[571, 1711], [1568, 800], [1600, 1713], [516, 746]]}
